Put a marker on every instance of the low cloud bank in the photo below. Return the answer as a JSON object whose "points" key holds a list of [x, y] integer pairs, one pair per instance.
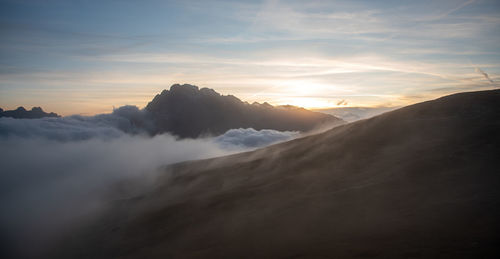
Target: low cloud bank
{"points": [[55, 172], [351, 114], [46, 186], [124, 120], [250, 138]]}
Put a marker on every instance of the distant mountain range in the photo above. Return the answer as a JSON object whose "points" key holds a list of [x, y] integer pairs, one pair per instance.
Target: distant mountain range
{"points": [[422, 181], [187, 111], [22, 113], [351, 114]]}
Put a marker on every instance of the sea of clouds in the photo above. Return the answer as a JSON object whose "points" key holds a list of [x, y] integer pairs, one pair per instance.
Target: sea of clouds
{"points": [[56, 171]]}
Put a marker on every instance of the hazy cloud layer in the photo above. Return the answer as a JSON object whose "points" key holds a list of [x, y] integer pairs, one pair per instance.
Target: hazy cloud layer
{"points": [[126, 119], [486, 76], [55, 172], [63, 129], [46, 185], [250, 138], [351, 114]]}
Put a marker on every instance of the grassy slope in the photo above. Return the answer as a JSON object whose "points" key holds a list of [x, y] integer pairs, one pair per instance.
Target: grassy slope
{"points": [[421, 181]]}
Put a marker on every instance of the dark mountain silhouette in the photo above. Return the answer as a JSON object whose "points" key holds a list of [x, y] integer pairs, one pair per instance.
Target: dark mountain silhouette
{"points": [[422, 181], [21, 113], [187, 111]]}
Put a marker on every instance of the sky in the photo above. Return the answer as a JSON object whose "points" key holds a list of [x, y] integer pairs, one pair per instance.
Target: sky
{"points": [[86, 57]]}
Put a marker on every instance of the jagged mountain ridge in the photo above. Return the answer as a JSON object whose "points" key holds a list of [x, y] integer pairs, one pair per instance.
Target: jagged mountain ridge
{"points": [[187, 111], [22, 113]]}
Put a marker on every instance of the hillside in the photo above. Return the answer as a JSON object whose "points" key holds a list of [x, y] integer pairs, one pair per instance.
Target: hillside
{"points": [[421, 181], [187, 111]]}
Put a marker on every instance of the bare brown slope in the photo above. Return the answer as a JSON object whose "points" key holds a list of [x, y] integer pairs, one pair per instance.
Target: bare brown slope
{"points": [[422, 181]]}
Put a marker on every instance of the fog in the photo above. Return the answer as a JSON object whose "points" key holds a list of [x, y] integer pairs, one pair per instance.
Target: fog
{"points": [[58, 172], [124, 120], [250, 138]]}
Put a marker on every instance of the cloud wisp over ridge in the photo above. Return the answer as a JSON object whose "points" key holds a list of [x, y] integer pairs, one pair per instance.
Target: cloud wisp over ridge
{"points": [[486, 76]]}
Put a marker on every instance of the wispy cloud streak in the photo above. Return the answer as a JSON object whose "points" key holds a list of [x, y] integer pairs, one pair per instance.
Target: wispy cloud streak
{"points": [[486, 76]]}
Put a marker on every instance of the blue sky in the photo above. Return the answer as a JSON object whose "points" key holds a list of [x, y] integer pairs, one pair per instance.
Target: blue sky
{"points": [[87, 56]]}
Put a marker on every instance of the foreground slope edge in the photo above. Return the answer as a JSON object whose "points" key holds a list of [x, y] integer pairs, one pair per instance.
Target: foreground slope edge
{"points": [[421, 181]]}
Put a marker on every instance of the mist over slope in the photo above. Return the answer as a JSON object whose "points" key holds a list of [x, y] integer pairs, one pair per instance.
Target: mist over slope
{"points": [[58, 171], [421, 181], [187, 111]]}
